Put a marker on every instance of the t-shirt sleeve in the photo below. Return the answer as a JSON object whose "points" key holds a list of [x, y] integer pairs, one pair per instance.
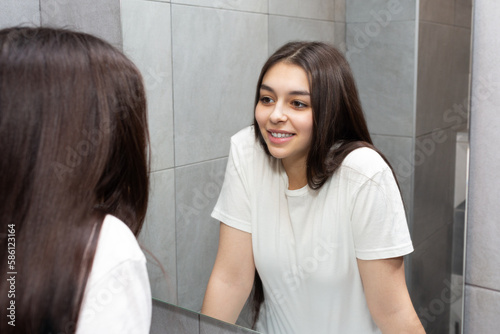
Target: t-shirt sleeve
{"points": [[120, 302], [233, 205], [378, 219], [117, 296]]}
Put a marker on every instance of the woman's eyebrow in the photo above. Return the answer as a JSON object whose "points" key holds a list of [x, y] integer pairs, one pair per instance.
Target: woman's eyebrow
{"points": [[293, 92], [266, 87]]}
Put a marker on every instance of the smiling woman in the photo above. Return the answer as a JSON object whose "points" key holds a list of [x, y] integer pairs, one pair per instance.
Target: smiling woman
{"points": [[310, 210]]}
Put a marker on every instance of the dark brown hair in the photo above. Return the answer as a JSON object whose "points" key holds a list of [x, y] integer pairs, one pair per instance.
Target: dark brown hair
{"points": [[74, 145], [339, 126]]}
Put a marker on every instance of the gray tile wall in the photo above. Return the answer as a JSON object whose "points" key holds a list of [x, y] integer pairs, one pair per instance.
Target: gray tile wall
{"points": [[482, 298], [148, 43], [100, 18], [431, 271], [383, 62], [443, 76], [213, 91], [14, 13]]}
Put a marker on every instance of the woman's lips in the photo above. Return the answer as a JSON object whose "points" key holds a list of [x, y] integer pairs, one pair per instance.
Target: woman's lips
{"points": [[279, 137]]}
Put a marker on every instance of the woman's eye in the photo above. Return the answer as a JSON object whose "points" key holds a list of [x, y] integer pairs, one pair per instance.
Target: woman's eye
{"points": [[266, 100], [298, 104]]}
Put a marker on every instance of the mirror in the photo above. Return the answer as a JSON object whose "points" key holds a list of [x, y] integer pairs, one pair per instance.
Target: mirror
{"points": [[201, 60], [181, 320]]}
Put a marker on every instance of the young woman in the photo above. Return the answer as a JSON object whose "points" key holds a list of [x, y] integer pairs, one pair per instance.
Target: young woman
{"points": [[311, 206], [74, 185]]}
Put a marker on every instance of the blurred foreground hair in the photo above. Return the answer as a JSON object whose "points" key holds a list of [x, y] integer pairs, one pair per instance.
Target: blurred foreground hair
{"points": [[74, 144]]}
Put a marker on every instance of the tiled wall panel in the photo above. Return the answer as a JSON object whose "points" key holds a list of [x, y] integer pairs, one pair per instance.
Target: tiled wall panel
{"points": [[15, 13], [434, 183], [380, 10], [215, 71], [284, 29], [431, 293], [483, 232], [383, 62], [313, 9], [442, 11], [197, 188], [257, 6], [482, 307], [158, 236], [100, 18], [148, 43], [443, 77]]}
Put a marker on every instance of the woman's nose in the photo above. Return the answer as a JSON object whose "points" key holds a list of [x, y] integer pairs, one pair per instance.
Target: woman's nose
{"points": [[278, 115]]}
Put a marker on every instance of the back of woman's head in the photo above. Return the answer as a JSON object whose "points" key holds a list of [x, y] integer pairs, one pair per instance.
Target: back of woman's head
{"points": [[337, 113], [74, 142]]}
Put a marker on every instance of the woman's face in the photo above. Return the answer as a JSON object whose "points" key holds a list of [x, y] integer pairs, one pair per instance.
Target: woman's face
{"points": [[284, 113]]}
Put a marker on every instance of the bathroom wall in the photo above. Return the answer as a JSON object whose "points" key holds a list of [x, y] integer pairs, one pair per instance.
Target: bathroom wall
{"points": [[411, 62], [100, 18], [482, 279], [201, 61]]}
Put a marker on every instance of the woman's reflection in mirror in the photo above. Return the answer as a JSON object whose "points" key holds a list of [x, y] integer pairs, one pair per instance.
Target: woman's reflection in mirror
{"points": [[311, 213]]}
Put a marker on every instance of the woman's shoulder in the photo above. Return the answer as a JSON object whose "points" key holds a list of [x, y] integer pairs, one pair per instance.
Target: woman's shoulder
{"points": [[365, 161], [245, 145], [244, 137], [116, 245]]}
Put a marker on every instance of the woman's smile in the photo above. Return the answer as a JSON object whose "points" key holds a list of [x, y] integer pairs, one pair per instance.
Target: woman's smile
{"points": [[279, 137]]}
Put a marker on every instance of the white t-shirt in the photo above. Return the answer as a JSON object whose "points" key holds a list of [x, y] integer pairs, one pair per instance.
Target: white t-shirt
{"points": [[305, 242], [117, 297]]}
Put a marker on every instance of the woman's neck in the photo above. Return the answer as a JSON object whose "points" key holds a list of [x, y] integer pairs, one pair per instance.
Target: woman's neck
{"points": [[297, 174]]}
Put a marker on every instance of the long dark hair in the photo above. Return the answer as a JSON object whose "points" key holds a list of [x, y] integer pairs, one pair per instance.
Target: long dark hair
{"points": [[74, 146], [339, 126]]}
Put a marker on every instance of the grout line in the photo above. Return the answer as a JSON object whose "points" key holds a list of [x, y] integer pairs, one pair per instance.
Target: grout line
{"points": [[40, 11], [217, 8], [173, 153], [438, 129], [482, 288], [445, 24], [200, 162]]}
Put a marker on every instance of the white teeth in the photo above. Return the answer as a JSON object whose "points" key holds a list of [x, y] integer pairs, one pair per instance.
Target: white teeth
{"points": [[281, 135]]}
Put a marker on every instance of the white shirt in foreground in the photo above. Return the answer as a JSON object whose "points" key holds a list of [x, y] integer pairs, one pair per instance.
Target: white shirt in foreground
{"points": [[117, 296], [306, 242]]}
